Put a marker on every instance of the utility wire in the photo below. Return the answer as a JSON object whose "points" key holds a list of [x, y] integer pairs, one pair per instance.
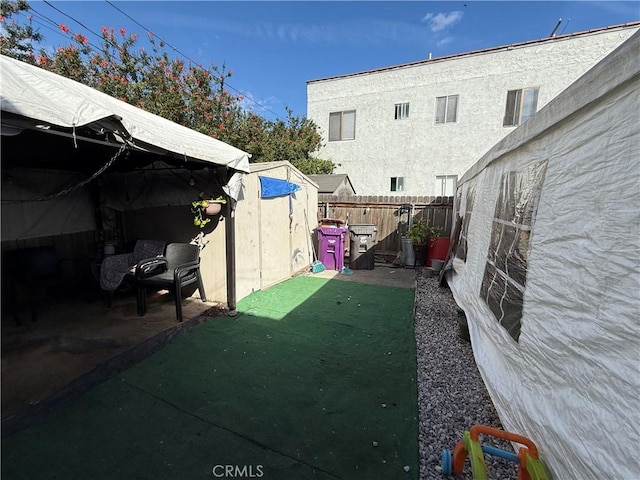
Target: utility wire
{"points": [[56, 30], [93, 47], [77, 21], [97, 49], [186, 56]]}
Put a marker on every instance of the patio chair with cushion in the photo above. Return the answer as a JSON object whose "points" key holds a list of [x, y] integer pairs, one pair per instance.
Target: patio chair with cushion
{"points": [[179, 267], [115, 268]]}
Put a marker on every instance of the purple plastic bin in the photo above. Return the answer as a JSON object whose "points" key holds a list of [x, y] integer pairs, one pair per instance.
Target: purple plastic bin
{"points": [[331, 247]]}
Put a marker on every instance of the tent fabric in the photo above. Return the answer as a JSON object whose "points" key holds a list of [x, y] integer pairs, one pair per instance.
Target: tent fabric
{"points": [[23, 216], [275, 187], [547, 270], [126, 191], [49, 98]]}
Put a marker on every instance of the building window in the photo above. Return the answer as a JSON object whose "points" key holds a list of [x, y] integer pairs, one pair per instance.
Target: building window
{"points": [[446, 185], [402, 111], [446, 109], [342, 125], [521, 104], [397, 184]]}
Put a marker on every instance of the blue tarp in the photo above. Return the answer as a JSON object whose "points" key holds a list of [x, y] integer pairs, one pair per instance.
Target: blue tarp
{"points": [[274, 187]]}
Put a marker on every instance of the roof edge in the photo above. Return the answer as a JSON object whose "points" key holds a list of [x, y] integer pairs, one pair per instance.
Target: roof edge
{"points": [[481, 51]]}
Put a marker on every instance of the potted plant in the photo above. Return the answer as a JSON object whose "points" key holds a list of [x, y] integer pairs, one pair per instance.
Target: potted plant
{"points": [[418, 233], [203, 208], [421, 235]]}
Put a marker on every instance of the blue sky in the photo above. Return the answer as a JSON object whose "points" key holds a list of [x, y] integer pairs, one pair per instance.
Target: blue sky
{"points": [[274, 48]]}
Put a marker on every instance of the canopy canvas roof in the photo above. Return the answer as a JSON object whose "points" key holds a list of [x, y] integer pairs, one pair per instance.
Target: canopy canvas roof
{"points": [[33, 98]]}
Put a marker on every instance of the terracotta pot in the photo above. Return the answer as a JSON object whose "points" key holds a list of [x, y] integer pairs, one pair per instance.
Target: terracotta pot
{"points": [[213, 208]]}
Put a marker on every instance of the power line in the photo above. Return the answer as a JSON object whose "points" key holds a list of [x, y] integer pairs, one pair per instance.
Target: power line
{"points": [[77, 21], [93, 47], [39, 20], [56, 30], [96, 48], [186, 56]]}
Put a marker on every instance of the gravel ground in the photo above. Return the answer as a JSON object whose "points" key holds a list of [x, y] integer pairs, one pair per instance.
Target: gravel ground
{"points": [[451, 394]]}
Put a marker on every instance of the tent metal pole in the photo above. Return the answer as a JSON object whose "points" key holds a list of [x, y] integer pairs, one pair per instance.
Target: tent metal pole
{"points": [[230, 240]]}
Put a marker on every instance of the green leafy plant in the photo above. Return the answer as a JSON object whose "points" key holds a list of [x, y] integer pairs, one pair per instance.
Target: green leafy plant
{"points": [[421, 231], [198, 207]]}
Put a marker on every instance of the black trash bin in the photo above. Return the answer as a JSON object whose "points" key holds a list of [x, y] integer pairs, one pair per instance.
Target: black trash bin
{"points": [[361, 250]]}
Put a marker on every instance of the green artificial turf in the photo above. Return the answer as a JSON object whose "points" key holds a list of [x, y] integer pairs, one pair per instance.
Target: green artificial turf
{"points": [[314, 379]]}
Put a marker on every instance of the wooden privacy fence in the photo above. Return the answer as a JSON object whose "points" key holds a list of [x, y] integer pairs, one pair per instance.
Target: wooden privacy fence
{"points": [[385, 213]]}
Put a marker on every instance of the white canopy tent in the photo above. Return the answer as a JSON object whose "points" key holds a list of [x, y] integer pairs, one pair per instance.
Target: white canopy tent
{"points": [[59, 134], [546, 268], [42, 100]]}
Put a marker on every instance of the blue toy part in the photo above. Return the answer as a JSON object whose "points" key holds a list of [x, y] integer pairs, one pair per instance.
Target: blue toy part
{"points": [[447, 462], [496, 452]]}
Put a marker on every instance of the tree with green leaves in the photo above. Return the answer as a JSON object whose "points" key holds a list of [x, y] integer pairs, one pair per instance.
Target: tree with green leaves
{"points": [[17, 40], [185, 93]]}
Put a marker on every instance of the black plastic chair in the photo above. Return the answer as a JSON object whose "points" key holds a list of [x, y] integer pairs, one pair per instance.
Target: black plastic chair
{"points": [[179, 267]]}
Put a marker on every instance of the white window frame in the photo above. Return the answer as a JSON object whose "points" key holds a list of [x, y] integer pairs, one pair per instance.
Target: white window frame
{"points": [[346, 125], [520, 105], [447, 109], [401, 111], [397, 184], [442, 181]]}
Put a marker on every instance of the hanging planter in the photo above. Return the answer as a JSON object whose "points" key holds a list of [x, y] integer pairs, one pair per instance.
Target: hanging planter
{"points": [[212, 208], [205, 208]]}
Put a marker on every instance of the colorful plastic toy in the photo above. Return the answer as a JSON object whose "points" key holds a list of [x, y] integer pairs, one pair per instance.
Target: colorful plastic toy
{"points": [[530, 467]]}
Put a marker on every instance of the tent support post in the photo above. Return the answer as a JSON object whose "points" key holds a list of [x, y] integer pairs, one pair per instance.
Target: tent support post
{"points": [[230, 240]]}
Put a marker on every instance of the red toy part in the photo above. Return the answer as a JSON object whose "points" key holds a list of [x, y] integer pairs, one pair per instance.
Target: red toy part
{"points": [[476, 430], [529, 465]]}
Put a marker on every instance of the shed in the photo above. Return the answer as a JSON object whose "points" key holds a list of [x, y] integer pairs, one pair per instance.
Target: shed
{"points": [[274, 232], [546, 269], [271, 237], [334, 184]]}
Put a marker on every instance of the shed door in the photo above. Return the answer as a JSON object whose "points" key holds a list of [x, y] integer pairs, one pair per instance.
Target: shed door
{"points": [[275, 240]]}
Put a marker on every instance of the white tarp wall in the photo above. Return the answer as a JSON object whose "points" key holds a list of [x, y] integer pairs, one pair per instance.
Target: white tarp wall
{"points": [[23, 216], [547, 270]]}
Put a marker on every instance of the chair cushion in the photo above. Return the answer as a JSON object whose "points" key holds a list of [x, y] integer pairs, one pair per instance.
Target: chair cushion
{"points": [[147, 249], [114, 268]]}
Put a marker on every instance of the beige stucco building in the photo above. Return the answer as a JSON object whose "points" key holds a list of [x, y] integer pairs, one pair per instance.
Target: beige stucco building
{"points": [[414, 129]]}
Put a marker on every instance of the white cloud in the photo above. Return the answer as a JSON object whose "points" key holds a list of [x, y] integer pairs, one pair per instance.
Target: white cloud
{"points": [[358, 33], [444, 41], [264, 107], [373, 32], [442, 21]]}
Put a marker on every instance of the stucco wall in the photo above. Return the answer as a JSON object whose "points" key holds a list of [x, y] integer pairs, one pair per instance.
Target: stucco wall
{"points": [[418, 149]]}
